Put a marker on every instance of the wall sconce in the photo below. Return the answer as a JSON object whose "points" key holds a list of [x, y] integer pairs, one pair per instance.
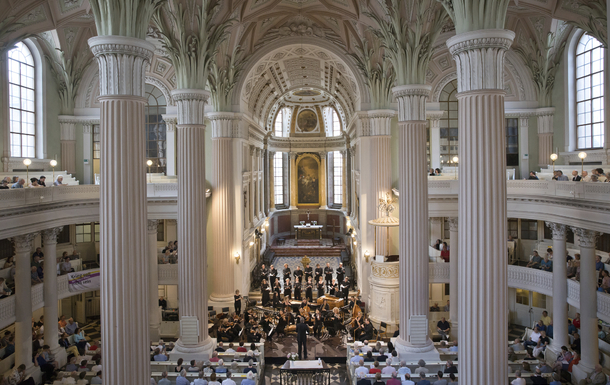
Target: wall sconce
{"points": [[236, 256], [554, 158], [251, 243], [27, 162], [455, 160], [149, 163], [267, 223], [367, 255], [53, 164], [355, 243], [582, 155]]}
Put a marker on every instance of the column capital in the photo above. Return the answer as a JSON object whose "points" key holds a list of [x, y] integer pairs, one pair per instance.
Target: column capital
{"points": [[479, 57], [67, 128], [24, 243], [122, 64], [171, 222], [436, 220], [252, 150], [293, 155], [453, 223], [323, 154], [586, 238], [559, 230], [411, 101], [49, 236], [152, 226], [191, 104], [225, 124]]}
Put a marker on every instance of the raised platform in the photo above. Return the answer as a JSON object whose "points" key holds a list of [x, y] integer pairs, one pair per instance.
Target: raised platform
{"points": [[331, 350], [308, 247]]}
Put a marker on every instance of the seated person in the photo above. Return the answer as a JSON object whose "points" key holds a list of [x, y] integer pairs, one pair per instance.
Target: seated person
{"points": [[443, 327], [375, 369], [533, 338], [535, 262]]}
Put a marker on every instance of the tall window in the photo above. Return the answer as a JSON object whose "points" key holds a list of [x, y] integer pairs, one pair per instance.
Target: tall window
{"points": [[512, 142], [22, 102], [155, 129], [279, 125], [278, 178], [589, 93], [337, 177], [336, 124], [449, 124]]}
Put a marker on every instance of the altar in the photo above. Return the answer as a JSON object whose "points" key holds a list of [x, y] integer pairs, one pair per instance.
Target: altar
{"points": [[308, 231]]}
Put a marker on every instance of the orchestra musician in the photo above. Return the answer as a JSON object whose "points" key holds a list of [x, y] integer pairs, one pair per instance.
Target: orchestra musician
{"points": [[287, 289], [298, 273], [325, 306], [305, 312], [277, 291], [336, 320], [309, 290], [345, 288], [287, 303], [272, 275], [328, 274], [340, 273], [318, 272], [367, 331], [320, 288], [287, 273], [334, 289], [308, 272], [266, 289], [264, 273], [318, 322], [297, 288]]}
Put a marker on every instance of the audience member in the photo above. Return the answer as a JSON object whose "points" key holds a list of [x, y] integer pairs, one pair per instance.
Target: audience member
{"points": [[422, 379], [249, 379], [388, 369], [394, 380], [361, 368], [181, 379], [596, 377], [421, 367], [535, 262], [164, 380]]}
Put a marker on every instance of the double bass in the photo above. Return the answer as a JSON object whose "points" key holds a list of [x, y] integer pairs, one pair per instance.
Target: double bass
{"points": [[305, 312], [356, 312]]}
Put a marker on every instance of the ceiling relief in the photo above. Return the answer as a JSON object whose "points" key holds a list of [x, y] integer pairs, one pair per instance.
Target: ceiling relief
{"points": [[300, 26]]}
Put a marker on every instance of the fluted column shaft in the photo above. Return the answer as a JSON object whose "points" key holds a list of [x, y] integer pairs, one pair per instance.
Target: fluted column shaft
{"points": [[345, 186], [154, 317], [23, 300], [124, 272], [545, 135], [560, 287], [67, 129], [413, 212], [51, 315], [223, 208], [589, 350], [482, 262], [192, 261], [453, 275], [293, 180], [435, 142], [271, 157], [323, 180]]}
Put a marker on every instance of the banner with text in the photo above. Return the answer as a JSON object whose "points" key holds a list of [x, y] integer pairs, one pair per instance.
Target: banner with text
{"points": [[84, 280]]}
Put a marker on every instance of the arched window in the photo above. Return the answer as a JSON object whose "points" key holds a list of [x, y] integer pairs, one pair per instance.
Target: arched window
{"points": [[589, 93], [336, 123], [278, 178], [449, 123], [22, 102], [156, 130], [279, 124], [337, 177]]}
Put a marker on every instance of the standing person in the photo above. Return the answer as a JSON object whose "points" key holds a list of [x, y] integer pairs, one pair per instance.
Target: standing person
{"points": [[302, 330], [328, 274], [297, 288], [309, 290], [318, 273], [320, 288], [286, 272], [308, 272], [340, 273], [345, 288], [287, 289], [272, 275], [264, 273], [238, 299], [265, 289]]}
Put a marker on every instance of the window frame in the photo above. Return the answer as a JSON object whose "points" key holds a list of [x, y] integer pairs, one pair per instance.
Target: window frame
{"points": [[161, 129], [22, 86], [278, 164], [447, 122]]}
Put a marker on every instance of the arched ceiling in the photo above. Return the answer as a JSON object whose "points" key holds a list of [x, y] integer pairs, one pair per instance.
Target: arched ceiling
{"points": [[272, 80]]}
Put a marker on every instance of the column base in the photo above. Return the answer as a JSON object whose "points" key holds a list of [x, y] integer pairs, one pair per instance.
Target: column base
{"points": [[154, 332], [201, 352], [60, 354], [408, 352], [580, 372], [292, 208]]}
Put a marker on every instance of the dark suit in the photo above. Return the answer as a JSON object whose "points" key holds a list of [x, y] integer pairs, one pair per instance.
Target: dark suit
{"points": [[576, 178], [363, 381], [302, 329]]}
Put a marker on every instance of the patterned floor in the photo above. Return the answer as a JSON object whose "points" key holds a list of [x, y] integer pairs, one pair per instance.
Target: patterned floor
{"points": [[515, 331], [338, 374], [93, 331], [316, 347]]}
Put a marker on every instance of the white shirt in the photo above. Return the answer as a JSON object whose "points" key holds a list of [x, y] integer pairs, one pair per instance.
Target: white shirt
{"points": [[518, 381], [366, 349], [407, 382], [96, 368], [199, 381], [228, 381], [361, 369], [535, 336], [230, 350]]}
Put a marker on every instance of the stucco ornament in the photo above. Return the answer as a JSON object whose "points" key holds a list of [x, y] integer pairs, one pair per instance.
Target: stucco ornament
{"points": [[224, 75], [596, 22], [128, 18], [473, 15], [378, 73]]}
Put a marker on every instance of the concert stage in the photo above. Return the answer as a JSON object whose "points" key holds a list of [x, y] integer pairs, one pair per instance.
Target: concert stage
{"points": [[331, 350]]}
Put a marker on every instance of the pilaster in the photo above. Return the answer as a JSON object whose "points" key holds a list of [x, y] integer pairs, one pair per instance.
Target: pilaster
{"points": [[67, 127], [154, 314], [323, 180], [560, 287], [453, 275], [171, 123], [293, 180], [544, 117]]}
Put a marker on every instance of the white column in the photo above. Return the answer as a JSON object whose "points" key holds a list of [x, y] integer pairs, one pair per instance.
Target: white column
{"points": [[293, 180], [154, 316], [4, 111], [345, 187], [436, 230], [192, 261], [170, 144], [524, 162], [171, 227], [124, 263], [589, 351], [271, 181], [414, 341], [560, 287], [51, 315], [479, 56], [253, 201], [453, 276], [261, 188], [435, 138], [223, 208], [323, 180], [545, 135], [23, 300], [67, 129], [88, 153]]}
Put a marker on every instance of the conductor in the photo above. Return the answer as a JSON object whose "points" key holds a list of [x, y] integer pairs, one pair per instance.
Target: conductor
{"points": [[302, 330]]}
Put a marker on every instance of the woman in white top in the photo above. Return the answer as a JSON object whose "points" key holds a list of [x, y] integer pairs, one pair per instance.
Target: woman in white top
{"points": [[213, 380]]}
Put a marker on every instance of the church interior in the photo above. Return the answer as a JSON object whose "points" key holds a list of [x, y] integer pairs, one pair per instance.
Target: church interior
{"points": [[304, 191]]}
